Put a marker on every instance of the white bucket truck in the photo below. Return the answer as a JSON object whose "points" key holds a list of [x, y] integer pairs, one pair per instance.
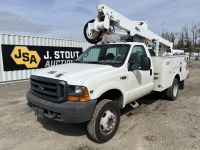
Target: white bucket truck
{"points": [[107, 77]]}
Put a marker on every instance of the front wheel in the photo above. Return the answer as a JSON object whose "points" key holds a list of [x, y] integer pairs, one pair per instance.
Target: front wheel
{"points": [[172, 92], [105, 121]]}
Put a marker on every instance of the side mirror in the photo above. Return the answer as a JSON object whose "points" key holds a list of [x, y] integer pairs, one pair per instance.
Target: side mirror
{"points": [[145, 63]]}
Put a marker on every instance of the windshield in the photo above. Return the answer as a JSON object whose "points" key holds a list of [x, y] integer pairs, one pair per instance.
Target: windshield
{"points": [[111, 54]]}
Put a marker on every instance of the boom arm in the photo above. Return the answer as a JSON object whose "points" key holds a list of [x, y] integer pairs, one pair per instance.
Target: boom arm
{"points": [[108, 20]]}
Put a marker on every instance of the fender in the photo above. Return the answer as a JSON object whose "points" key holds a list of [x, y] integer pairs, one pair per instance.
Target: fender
{"points": [[109, 86], [176, 75]]}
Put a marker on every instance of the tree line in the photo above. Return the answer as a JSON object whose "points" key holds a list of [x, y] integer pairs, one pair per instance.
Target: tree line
{"points": [[188, 38]]}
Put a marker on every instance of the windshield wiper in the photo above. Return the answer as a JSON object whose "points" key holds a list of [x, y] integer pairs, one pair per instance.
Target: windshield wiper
{"points": [[97, 62], [92, 62], [78, 61]]}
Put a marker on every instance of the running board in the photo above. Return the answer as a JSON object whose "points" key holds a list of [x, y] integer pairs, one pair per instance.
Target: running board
{"points": [[135, 105]]}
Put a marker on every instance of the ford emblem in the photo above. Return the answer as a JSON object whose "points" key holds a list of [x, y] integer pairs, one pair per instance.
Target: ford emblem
{"points": [[41, 88]]}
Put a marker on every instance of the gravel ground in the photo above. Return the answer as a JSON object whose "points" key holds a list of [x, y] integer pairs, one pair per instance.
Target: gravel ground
{"points": [[155, 125]]}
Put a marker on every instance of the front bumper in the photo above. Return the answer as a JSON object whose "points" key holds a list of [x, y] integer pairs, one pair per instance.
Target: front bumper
{"points": [[68, 112]]}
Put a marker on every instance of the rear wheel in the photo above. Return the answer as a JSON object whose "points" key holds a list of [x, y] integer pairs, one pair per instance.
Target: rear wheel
{"points": [[172, 92], [105, 121]]}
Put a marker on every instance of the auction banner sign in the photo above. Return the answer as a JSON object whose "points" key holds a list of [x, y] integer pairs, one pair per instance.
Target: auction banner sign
{"points": [[21, 57]]}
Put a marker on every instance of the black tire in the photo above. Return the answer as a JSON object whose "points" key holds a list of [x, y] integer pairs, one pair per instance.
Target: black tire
{"points": [[172, 92], [106, 117], [181, 85], [96, 39]]}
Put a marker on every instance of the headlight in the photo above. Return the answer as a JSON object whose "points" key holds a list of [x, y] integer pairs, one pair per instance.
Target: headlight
{"points": [[77, 93], [75, 90]]}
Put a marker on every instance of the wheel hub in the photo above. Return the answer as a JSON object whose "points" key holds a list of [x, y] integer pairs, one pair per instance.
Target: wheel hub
{"points": [[107, 122]]}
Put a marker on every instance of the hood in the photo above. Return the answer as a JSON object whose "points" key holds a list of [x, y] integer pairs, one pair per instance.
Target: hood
{"points": [[74, 73]]}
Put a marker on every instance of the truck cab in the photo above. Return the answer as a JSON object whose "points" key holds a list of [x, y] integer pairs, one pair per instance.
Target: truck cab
{"points": [[128, 73]]}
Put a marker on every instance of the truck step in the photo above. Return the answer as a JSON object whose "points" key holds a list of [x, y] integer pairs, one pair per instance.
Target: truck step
{"points": [[134, 104]]}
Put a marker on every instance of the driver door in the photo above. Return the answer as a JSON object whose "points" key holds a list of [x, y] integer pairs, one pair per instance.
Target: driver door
{"points": [[140, 82]]}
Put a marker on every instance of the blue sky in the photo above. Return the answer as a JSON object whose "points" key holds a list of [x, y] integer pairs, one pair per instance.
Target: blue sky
{"points": [[66, 18]]}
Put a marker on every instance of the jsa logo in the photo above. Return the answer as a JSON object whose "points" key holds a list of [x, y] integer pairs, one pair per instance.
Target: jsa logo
{"points": [[22, 56]]}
